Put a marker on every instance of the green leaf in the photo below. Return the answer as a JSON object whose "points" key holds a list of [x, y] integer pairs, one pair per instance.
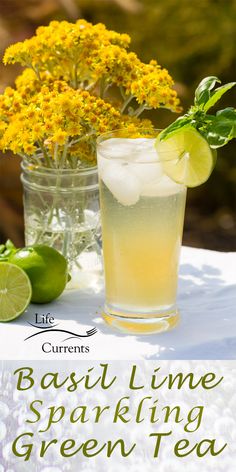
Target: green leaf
{"points": [[217, 94], [6, 250], [202, 93], [216, 141], [228, 114], [219, 130], [10, 245], [179, 123]]}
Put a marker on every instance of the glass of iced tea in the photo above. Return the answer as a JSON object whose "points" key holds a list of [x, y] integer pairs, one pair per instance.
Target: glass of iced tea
{"points": [[142, 213]]}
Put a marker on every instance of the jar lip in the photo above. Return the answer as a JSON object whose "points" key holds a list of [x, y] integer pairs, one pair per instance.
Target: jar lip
{"points": [[37, 169]]}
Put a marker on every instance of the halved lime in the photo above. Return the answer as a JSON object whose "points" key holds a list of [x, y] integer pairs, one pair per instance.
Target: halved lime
{"points": [[46, 269], [15, 291], [186, 157]]}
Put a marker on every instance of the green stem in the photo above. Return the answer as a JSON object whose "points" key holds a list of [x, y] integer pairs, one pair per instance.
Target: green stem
{"points": [[35, 69], [58, 184], [75, 80], [82, 138], [56, 155], [45, 154], [122, 92], [102, 87], [91, 86], [139, 110], [64, 154], [126, 103]]}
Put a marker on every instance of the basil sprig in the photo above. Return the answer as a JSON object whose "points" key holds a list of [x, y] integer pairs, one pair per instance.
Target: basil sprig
{"points": [[217, 129]]}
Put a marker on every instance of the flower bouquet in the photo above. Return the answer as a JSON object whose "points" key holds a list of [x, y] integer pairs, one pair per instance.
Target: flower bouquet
{"points": [[79, 80]]}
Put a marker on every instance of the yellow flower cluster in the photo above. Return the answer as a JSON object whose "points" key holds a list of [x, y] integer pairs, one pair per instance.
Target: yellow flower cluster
{"points": [[66, 50], [60, 102], [149, 84], [153, 88], [59, 125]]}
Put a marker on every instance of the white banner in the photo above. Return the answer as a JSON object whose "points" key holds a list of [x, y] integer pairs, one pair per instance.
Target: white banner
{"points": [[106, 416]]}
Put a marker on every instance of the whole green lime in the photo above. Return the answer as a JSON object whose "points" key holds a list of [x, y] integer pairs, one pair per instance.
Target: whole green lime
{"points": [[46, 269]]}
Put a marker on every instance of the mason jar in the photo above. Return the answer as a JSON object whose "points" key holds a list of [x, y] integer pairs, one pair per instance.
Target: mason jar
{"points": [[61, 210]]}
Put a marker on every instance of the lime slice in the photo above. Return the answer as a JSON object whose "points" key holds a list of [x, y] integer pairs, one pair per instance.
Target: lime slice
{"points": [[186, 157], [15, 291]]}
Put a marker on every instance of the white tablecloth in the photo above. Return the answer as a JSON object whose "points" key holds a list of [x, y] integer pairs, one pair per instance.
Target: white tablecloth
{"points": [[206, 301]]}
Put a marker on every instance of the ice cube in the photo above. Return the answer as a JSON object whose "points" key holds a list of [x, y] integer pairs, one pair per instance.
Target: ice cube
{"points": [[147, 156], [144, 143], [163, 187], [148, 172], [117, 148], [144, 150], [123, 185], [103, 163], [129, 149]]}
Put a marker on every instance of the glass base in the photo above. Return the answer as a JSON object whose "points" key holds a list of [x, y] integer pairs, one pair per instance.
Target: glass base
{"points": [[148, 323]]}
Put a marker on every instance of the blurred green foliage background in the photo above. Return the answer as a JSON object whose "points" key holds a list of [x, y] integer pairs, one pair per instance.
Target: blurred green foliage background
{"points": [[192, 39]]}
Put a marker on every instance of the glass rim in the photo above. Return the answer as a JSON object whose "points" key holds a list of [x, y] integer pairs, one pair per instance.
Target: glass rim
{"points": [[28, 166], [105, 136]]}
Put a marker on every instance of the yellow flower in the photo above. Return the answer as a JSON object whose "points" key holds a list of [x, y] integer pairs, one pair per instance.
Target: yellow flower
{"points": [[59, 137], [60, 102], [29, 148]]}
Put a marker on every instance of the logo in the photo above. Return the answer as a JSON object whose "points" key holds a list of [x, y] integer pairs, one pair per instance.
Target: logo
{"points": [[46, 324]]}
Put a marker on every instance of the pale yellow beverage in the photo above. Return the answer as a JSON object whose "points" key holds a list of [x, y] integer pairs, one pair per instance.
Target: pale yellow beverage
{"points": [[142, 214]]}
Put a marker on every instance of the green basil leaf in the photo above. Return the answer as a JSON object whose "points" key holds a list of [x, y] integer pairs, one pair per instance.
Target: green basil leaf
{"points": [[215, 140], [179, 123], [219, 131], [228, 114], [202, 93], [217, 94]]}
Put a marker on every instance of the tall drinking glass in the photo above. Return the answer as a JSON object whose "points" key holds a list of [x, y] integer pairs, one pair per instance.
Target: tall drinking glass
{"points": [[142, 212]]}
